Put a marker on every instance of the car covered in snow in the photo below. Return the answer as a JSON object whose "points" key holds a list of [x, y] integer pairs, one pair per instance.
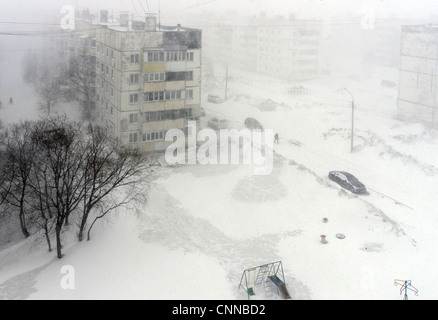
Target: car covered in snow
{"points": [[348, 181], [214, 99], [252, 123], [217, 124]]}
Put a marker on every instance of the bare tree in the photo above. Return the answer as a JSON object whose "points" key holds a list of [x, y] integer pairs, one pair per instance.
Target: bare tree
{"points": [[61, 161], [44, 73], [39, 185], [55, 169], [80, 77], [19, 154], [48, 86], [110, 167]]}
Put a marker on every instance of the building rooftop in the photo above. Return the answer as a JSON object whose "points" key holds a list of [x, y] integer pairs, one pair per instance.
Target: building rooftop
{"points": [[428, 28]]}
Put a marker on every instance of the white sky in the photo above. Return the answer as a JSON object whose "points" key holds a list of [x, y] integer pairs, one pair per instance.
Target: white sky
{"points": [[20, 10]]}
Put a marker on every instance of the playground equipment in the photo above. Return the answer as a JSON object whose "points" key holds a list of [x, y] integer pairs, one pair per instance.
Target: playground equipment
{"points": [[264, 276], [405, 285]]}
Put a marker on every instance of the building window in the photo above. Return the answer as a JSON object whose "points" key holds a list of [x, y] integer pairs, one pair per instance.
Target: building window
{"points": [[176, 55], [154, 77], [179, 76], [135, 58], [163, 95], [190, 56], [133, 118], [133, 137], [155, 56], [167, 115], [133, 78], [133, 98], [189, 94], [154, 136], [159, 96], [153, 96], [148, 96]]}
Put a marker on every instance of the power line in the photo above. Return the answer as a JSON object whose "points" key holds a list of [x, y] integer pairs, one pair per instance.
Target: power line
{"points": [[142, 6], [193, 6], [49, 33], [147, 4], [133, 6]]}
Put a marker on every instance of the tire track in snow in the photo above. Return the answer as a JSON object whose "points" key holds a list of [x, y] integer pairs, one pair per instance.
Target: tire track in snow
{"points": [[371, 208]]}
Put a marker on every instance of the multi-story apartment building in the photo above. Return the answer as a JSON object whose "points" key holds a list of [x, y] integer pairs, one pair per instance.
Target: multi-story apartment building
{"points": [[289, 48], [417, 97], [148, 78]]}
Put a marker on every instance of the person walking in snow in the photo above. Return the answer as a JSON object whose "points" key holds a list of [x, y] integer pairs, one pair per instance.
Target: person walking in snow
{"points": [[11, 101], [1, 104], [276, 138]]}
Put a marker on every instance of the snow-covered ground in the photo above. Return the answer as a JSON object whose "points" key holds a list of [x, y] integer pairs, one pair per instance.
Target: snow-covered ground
{"points": [[204, 224]]}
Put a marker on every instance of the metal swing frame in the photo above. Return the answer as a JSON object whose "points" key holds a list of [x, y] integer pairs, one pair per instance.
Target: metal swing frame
{"points": [[263, 273]]}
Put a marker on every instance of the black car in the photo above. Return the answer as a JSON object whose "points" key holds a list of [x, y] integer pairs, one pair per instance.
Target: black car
{"points": [[252, 123], [348, 181]]}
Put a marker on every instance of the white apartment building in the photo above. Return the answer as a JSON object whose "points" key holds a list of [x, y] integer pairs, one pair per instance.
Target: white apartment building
{"points": [[288, 49], [417, 97], [148, 79]]}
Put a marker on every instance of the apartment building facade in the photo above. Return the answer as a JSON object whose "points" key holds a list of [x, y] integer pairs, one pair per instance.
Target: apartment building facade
{"points": [[417, 97], [290, 49], [285, 48], [148, 79]]}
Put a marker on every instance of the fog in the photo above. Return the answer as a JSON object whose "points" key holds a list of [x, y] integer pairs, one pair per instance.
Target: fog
{"points": [[26, 10], [26, 15]]}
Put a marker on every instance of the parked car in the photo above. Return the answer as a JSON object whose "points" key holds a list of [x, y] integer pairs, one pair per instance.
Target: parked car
{"points": [[252, 123], [215, 99], [217, 124], [347, 181]]}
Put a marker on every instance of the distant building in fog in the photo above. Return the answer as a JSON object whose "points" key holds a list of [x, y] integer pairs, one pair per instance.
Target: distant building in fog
{"points": [[286, 48], [289, 49], [417, 97]]}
